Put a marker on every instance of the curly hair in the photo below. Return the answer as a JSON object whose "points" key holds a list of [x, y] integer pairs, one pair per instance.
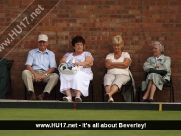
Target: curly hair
{"points": [[161, 46], [78, 39]]}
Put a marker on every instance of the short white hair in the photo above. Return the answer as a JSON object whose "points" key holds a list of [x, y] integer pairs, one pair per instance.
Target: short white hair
{"points": [[161, 46]]}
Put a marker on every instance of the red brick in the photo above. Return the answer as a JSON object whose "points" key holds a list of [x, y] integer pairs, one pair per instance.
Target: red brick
{"points": [[96, 2], [27, 2], [63, 33], [45, 20], [83, 2], [69, 2], [17, 2], [2, 15], [123, 2], [90, 7], [62, 24], [134, 11]]}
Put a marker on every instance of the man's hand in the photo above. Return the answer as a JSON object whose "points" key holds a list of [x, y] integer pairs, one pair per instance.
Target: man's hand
{"points": [[39, 78]]}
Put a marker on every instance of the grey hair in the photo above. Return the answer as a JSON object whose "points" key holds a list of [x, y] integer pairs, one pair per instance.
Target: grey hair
{"points": [[161, 46]]}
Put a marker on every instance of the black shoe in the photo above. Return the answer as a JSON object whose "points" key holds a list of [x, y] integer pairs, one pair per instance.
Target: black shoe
{"points": [[150, 100], [144, 100], [106, 97], [39, 97], [33, 97]]}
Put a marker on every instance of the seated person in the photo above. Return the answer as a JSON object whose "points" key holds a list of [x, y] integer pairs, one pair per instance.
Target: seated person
{"points": [[40, 66], [117, 64], [160, 62], [77, 84]]}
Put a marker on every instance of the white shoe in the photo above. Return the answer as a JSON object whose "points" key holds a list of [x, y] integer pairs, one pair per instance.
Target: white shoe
{"points": [[111, 100], [67, 99], [78, 99]]}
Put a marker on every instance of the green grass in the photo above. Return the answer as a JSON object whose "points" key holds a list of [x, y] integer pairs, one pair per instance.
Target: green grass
{"points": [[90, 133], [60, 114]]}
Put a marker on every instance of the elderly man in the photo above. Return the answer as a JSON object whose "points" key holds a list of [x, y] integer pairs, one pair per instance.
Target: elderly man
{"points": [[40, 66]]}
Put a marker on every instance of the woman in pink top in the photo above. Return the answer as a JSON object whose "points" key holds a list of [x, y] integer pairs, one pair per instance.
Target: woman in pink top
{"points": [[117, 64]]}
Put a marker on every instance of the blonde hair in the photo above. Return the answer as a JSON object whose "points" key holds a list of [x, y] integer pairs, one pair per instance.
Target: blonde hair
{"points": [[117, 40]]}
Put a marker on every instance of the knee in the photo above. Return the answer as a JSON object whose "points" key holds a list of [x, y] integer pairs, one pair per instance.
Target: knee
{"points": [[106, 78], [25, 73], [151, 81], [54, 76]]}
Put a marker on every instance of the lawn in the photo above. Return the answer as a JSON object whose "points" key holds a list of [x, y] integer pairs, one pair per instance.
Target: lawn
{"points": [[61, 114]]}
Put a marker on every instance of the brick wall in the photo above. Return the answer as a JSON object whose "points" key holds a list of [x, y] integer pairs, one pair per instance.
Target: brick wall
{"points": [[140, 22]]}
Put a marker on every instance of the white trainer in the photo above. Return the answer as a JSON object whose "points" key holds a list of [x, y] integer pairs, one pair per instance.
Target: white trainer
{"points": [[111, 100], [78, 99], [67, 99]]}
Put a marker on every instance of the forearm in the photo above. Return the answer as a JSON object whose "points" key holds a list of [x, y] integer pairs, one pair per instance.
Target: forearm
{"points": [[148, 66], [166, 65], [125, 64], [119, 65], [43, 75], [63, 60], [85, 64], [109, 67], [28, 67]]}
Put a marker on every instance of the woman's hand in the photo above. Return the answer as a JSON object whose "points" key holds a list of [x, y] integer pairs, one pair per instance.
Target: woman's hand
{"points": [[63, 60], [158, 65], [77, 63]]}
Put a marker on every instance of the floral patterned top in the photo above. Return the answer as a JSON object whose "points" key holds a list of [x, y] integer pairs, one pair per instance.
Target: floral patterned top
{"points": [[80, 58]]}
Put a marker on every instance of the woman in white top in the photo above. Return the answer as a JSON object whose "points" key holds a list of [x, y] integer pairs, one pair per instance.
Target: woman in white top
{"points": [[117, 64], [77, 85]]}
